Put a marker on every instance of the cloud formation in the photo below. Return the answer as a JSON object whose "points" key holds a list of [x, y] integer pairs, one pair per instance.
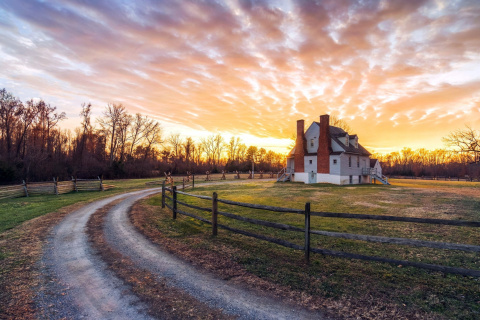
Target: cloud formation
{"points": [[402, 73]]}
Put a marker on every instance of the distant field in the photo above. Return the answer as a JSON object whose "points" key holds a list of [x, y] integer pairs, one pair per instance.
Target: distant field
{"points": [[18, 210], [404, 287]]}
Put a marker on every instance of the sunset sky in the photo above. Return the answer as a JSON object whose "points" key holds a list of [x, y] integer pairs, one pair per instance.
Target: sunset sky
{"points": [[402, 73]]}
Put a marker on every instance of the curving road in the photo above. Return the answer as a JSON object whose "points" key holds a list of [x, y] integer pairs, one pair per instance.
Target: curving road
{"points": [[80, 286]]}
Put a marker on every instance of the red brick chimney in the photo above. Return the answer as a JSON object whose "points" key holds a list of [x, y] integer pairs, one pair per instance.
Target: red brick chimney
{"points": [[324, 145], [300, 147]]}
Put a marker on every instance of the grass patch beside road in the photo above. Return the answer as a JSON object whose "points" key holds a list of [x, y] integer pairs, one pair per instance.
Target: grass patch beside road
{"points": [[372, 290], [18, 210]]}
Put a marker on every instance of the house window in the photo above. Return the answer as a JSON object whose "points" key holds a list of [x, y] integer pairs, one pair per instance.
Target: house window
{"points": [[351, 179], [310, 161], [349, 162], [312, 142], [334, 161], [359, 179], [358, 162], [347, 140]]}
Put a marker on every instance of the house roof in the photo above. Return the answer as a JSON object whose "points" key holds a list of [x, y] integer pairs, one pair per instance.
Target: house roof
{"points": [[335, 133], [373, 162]]}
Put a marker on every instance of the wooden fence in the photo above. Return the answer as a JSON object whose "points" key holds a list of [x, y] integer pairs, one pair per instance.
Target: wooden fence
{"points": [[195, 178], [307, 213], [52, 187], [439, 178]]}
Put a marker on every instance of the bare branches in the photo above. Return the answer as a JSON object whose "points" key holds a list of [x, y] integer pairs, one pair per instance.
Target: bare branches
{"points": [[466, 141], [175, 141], [340, 123], [110, 123], [117, 144], [152, 135], [139, 125]]}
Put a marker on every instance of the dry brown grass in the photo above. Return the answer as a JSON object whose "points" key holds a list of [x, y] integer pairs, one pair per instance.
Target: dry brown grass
{"points": [[163, 301], [218, 259], [22, 248]]}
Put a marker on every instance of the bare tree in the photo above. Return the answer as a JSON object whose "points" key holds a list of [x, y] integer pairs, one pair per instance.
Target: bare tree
{"points": [[188, 146], [137, 131], [10, 110], [232, 147], [110, 122], [208, 146], [340, 123], [175, 141], [122, 136], [241, 152], [27, 116], [197, 151], [465, 141], [153, 135], [218, 145], [83, 134]]}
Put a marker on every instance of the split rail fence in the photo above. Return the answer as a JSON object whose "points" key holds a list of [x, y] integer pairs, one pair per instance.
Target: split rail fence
{"points": [[308, 232], [189, 181], [52, 187], [439, 178]]}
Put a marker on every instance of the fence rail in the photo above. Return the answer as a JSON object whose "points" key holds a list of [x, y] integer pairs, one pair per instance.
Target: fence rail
{"points": [[308, 232], [52, 187], [439, 178], [187, 182]]}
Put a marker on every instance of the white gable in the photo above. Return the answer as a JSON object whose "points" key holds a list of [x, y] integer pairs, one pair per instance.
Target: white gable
{"points": [[311, 136]]}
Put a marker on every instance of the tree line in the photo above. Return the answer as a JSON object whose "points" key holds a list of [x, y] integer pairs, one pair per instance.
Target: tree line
{"points": [[430, 163], [117, 144], [460, 159]]}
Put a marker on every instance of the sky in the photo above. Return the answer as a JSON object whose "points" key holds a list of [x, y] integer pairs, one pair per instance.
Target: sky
{"points": [[401, 73]]}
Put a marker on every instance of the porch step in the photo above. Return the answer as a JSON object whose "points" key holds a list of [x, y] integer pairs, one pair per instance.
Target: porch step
{"points": [[284, 177], [382, 179]]}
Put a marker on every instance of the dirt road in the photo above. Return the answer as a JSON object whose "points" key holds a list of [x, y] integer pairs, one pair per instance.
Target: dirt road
{"points": [[78, 284]]}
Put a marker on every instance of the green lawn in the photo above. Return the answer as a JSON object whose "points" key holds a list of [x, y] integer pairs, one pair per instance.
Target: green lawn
{"points": [[359, 282], [18, 210], [414, 289]]}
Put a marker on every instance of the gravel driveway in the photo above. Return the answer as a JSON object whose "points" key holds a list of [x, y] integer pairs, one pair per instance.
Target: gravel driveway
{"points": [[79, 285]]}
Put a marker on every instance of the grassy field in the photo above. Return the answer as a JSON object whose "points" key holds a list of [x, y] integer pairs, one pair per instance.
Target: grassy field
{"points": [[414, 290], [18, 210], [365, 289]]}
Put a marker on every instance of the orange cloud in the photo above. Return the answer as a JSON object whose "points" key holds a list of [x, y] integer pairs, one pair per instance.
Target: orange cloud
{"points": [[402, 73]]}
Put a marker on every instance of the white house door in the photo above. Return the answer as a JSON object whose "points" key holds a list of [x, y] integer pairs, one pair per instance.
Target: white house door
{"points": [[312, 177]]}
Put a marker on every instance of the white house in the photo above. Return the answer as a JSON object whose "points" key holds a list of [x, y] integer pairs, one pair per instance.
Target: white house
{"points": [[325, 153]]}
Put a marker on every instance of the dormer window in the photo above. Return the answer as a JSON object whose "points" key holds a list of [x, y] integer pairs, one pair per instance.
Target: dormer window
{"points": [[312, 142], [356, 142], [347, 140]]}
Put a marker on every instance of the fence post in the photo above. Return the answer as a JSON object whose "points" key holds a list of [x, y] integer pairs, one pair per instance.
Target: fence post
{"points": [[174, 197], [74, 180], [163, 194], [101, 183], [193, 181], [307, 232], [55, 185], [25, 188], [214, 214]]}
